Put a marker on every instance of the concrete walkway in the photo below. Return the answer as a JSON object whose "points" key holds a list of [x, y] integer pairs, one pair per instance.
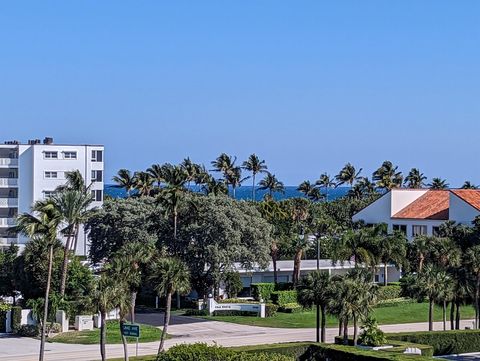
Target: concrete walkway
{"points": [[186, 330]]}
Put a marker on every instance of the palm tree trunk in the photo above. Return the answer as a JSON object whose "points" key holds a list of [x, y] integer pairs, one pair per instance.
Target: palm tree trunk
{"points": [[385, 273], [452, 315], [253, 187], [165, 323], [340, 327], [323, 326], [296, 266], [444, 311], [430, 315], [133, 298], [275, 272], [345, 332], [355, 331], [124, 341], [103, 335], [66, 251], [318, 324], [420, 263], [457, 316], [175, 216], [45, 306]]}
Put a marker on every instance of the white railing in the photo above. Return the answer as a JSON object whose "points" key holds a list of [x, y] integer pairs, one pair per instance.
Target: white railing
{"points": [[7, 241], [8, 182], [7, 222], [9, 161], [8, 202]]}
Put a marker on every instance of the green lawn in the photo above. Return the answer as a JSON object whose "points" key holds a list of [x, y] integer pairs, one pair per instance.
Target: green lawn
{"points": [[147, 334], [404, 313]]}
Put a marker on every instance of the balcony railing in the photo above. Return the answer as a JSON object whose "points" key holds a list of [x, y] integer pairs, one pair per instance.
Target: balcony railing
{"points": [[8, 202], [8, 162], [8, 182], [7, 222]]}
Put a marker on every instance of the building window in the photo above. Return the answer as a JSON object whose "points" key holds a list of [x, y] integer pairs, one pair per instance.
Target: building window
{"points": [[97, 195], [419, 230], [97, 156], [377, 278], [97, 176], [401, 228], [50, 155], [436, 231], [48, 194], [69, 155], [51, 175]]}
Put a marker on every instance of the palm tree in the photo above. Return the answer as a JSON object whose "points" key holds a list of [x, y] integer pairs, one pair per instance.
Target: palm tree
{"points": [[43, 227], [422, 246], [325, 182], [472, 259], [309, 190], [73, 206], [169, 275], [157, 174], [444, 294], [438, 183], [272, 184], [348, 174], [124, 180], [214, 187], [314, 289], [387, 176], [392, 249], [143, 183], [74, 181], [415, 179], [298, 211], [190, 169], [255, 165], [469, 185], [359, 245], [234, 178], [361, 189]]}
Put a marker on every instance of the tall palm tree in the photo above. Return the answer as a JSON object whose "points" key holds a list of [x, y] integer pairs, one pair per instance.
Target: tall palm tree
{"points": [[415, 179], [74, 181], [156, 172], [422, 246], [392, 248], [438, 183], [444, 294], [125, 180], [309, 190], [469, 185], [364, 187], [73, 206], [298, 211], [234, 178], [387, 176], [143, 182], [43, 226], [272, 184], [232, 174], [190, 169], [358, 245], [348, 174], [169, 275], [314, 289], [214, 187], [254, 165], [472, 259], [326, 182]]}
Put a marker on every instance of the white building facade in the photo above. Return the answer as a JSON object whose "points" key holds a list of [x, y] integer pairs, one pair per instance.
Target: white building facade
{"points": [[422, 211], [32, 171]]}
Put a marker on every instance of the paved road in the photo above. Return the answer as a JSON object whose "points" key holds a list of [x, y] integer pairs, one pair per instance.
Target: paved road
{"points": [[185, 330]]}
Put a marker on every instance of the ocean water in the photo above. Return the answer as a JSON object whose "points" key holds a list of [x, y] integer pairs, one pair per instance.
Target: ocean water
{"points": [[245, 192]]}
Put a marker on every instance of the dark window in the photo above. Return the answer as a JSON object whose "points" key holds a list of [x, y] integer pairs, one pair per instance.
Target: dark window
{"points": [[97, 175], [97, 195], [435, 231], [97, 156], [419, 230], [400, 227]]}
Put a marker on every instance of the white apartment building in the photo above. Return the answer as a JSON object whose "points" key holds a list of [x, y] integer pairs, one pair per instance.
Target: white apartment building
{"points": [[422, 211], [32, 171]]}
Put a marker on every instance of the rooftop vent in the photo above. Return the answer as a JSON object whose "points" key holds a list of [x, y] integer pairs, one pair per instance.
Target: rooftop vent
{"points": [[33, 141], [11, 142], [48, 140]]}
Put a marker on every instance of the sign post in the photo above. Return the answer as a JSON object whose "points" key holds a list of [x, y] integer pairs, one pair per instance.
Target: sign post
{"points": [[131, 330]]}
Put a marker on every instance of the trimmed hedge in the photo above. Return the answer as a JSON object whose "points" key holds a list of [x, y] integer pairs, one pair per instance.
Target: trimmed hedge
{"points": [[398, 346], [262, 291], [396, 302], [443, 342], [194, 312], [16, 318], [291, 308], [203, 352], [270, 309], [282, 298], [388, 292], [234, 313], [28, 331]]}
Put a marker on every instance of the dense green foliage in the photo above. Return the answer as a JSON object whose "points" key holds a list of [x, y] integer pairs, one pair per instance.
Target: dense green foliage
{"points": [[262, 291], [443, 342], [16, 318], [7, 271], [388, 292], [371, 334], [282, 298]]}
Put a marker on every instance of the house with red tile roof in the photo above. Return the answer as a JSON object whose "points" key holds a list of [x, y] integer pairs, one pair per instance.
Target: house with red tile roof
{"points": [[422, 211]]}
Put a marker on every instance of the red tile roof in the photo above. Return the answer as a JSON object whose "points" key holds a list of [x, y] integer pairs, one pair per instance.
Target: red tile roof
{"points": [[433, 204], [471, 196]]}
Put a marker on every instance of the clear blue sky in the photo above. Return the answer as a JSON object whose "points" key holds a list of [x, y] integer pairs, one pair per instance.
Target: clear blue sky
{"points": [[307, 85]]}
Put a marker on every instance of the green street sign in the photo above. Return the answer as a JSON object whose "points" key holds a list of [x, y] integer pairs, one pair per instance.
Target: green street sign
{"points": [[131, 330]]}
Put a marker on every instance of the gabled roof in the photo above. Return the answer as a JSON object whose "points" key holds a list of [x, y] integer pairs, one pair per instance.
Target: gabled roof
{"points": [[470, 196], [433, 205]]}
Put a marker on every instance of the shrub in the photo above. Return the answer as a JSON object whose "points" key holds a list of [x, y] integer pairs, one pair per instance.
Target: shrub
{"points": [[233, 283], [28, 331], [371, 335], [291, 308], [203, 352], [396, 302], [194, 312], [270, 309], [4, 308], [16, 318], [262, 291], [281, 298], [443, 342], [388, 292], [53, 328]]}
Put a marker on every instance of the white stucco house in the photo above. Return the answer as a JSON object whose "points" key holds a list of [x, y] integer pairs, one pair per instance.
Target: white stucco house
{"points": [[422, 211]]}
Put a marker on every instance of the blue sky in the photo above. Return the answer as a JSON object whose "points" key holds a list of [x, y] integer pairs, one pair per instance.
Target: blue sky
{"points": [[307, 85]]}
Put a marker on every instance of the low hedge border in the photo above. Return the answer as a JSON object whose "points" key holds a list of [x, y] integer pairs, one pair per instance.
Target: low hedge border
{"points": [[282, 298], [398, 346], [443, 342]]}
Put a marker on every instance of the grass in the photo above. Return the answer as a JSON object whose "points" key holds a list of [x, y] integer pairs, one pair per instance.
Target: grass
{"points": [[403, 313], [147, 334]]}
